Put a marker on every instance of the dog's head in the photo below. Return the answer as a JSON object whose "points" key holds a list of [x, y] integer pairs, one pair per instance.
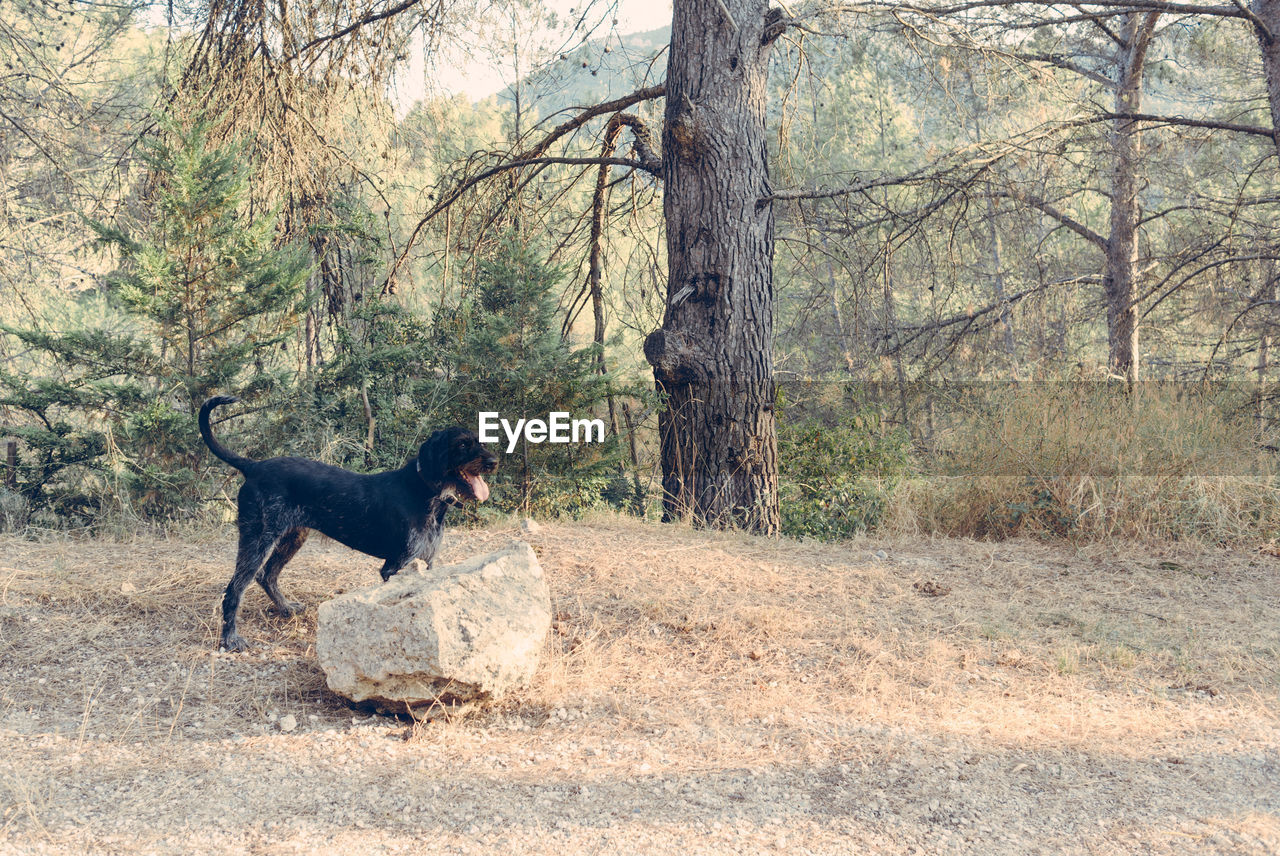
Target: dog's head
{"points": [[454, 458]]}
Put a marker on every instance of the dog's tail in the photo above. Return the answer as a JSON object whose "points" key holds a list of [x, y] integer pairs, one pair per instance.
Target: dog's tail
{"points": [[240, 463]]}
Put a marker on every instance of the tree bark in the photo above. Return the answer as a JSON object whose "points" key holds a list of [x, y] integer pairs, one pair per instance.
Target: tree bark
{"points": [[713, 355], [1266, 293], [1268, 15], [1121, 274], [998, 290]]}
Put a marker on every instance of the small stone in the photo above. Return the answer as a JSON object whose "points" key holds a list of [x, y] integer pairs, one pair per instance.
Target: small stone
{"points": [[288, 722], [931, 588]]}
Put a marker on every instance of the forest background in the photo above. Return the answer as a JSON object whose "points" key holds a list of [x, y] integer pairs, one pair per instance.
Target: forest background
{"points": [[1024, 278]]}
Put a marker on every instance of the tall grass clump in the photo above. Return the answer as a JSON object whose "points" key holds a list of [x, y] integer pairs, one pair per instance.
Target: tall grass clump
{"points": [[1095, 461]]}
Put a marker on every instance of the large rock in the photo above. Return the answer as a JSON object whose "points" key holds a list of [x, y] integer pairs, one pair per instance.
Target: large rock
{"points": [[465, 631]]}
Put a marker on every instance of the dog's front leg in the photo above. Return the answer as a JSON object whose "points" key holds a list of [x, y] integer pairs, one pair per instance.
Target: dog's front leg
{"points": [[391, 567]]}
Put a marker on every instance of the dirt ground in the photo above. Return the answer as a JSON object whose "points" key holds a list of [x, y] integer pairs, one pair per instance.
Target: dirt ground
{"points": [[699, 693]]}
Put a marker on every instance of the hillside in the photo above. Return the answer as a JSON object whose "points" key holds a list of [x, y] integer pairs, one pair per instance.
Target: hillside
{"points": [[699, 693], [598, 71]]}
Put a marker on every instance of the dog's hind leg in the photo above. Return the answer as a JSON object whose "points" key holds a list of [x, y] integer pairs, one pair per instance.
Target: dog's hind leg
{"points": [[248, 560], [285, 550], [256, 542]]}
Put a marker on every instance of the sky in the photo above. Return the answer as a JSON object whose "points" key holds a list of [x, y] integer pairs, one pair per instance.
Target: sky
{"points": [[461, 74]]}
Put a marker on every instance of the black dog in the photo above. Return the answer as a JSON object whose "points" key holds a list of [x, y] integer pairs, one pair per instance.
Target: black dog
{"points": [[396, 516]]}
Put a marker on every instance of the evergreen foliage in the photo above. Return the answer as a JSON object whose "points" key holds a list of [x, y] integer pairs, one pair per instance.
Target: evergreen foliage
{"points": [[209, 300], [397, 376], [206, 280], [502, 351], [835, 480], [383, 360]]}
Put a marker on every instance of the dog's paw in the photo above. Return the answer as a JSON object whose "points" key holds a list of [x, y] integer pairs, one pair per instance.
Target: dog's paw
{"points": [[234, 643], [288, 609]]}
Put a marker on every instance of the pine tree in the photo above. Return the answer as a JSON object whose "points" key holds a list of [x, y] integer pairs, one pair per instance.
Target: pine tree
{"points": [[210, 299], [503, 352], [206, 278]]}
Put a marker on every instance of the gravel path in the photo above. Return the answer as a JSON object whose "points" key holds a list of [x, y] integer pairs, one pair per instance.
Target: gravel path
{"points": [[365, 787]]}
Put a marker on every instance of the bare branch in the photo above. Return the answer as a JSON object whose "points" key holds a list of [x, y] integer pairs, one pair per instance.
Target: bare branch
{"points": [[1049, 209], [1066, 65], [462, 188], [355, 25], [535, 156], [929, 173], [733, 25], [1211, 124], [915, 331], [1104, 7], [1263, 30], [648, 93]]}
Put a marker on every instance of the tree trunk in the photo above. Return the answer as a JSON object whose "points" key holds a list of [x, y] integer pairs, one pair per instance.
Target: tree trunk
{"points": [[1268, 13], [892, 336], [713, 355], [1266, 293], [998, 290], [996, 250], [1121, 274]]}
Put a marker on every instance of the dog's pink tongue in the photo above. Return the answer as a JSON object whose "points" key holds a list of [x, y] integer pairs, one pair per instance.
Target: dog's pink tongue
{"points": [[478, 487]]}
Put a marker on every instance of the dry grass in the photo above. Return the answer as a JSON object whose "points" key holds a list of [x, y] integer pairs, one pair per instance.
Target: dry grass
{"points": [[1084, 460], [673, 654], [1031, 642]]}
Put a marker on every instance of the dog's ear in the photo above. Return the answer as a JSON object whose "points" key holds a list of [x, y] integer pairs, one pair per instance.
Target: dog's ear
{"points": [[433, 457]]}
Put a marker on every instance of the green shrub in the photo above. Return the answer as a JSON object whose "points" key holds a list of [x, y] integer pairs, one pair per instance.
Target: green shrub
{"points": [[502, 350], [835, 480], [397, 376]]}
